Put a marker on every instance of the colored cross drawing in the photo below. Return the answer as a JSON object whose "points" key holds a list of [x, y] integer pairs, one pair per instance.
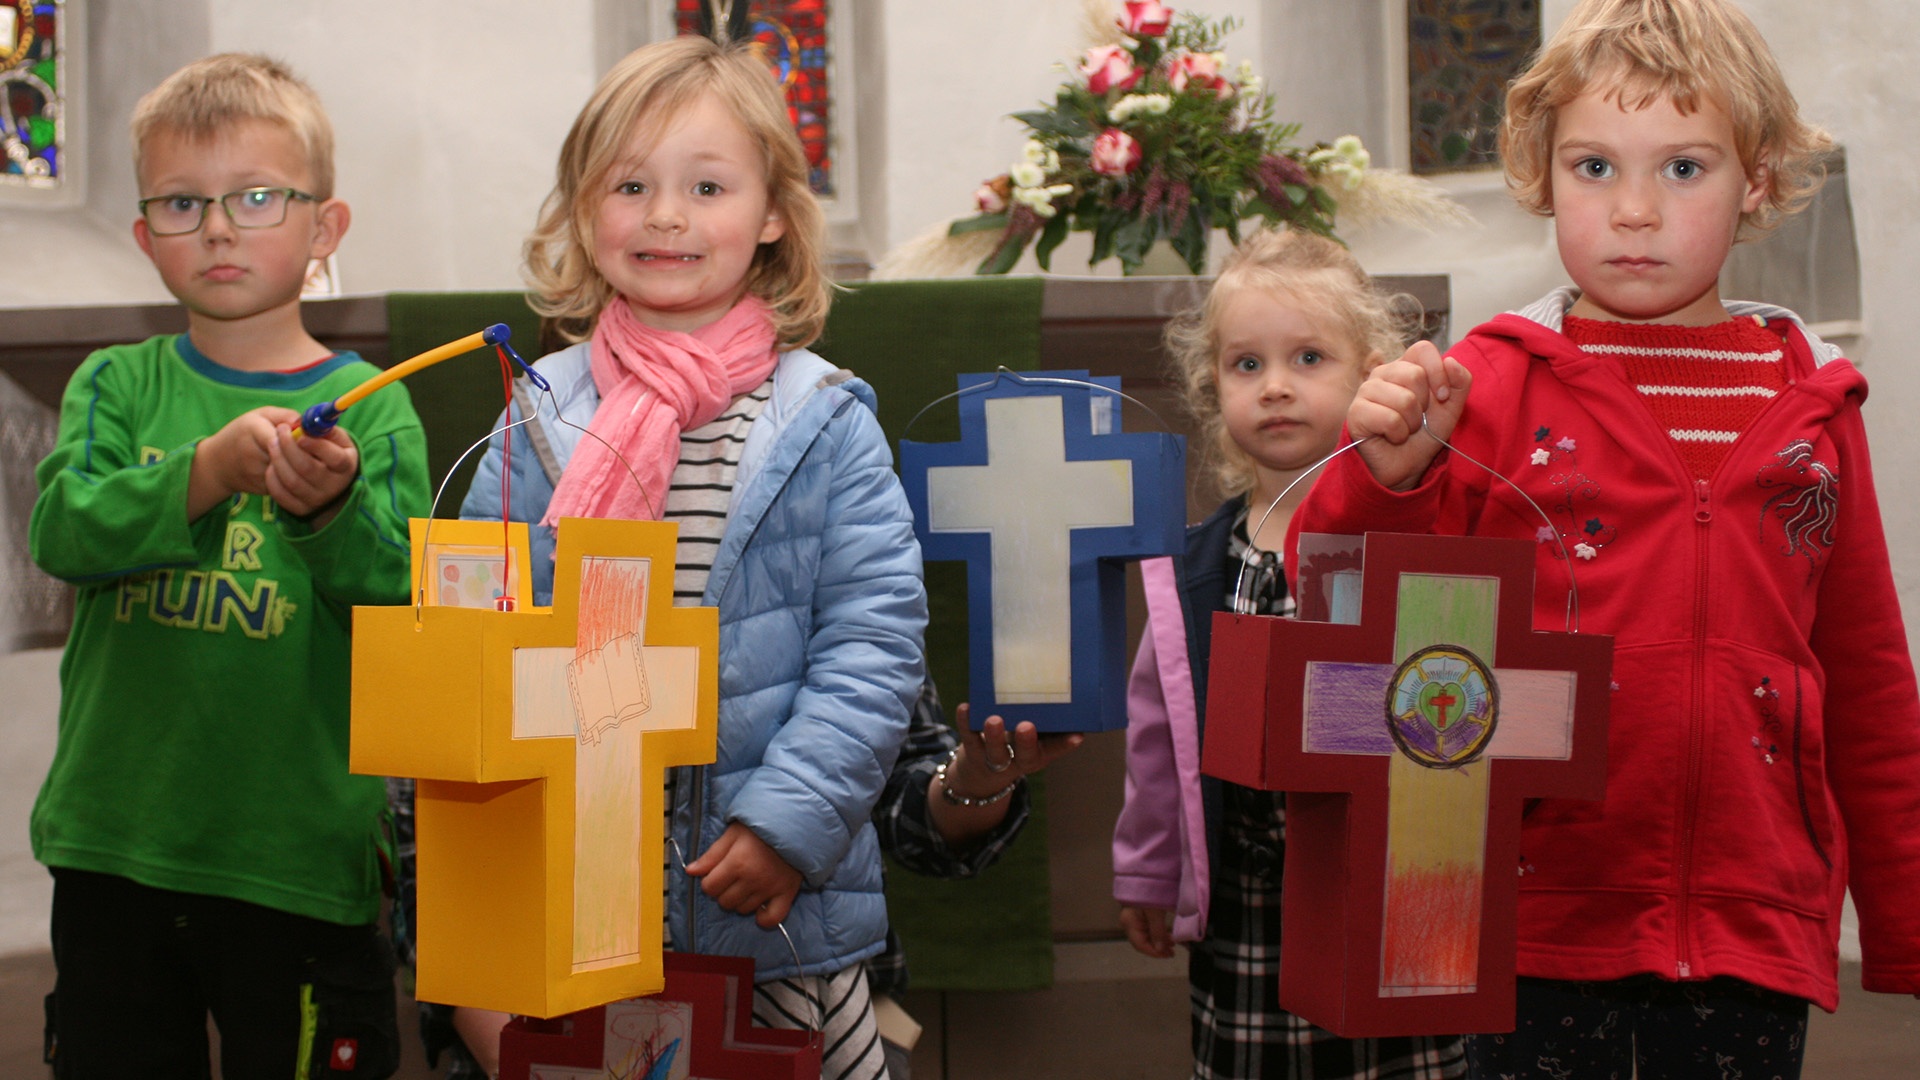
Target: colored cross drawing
{"points": [[1407, 741], [1045, 499], [540, 737], [700, 1026]]}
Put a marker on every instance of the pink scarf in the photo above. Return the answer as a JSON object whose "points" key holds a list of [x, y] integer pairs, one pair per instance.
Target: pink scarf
{"points": [[653, 385]]}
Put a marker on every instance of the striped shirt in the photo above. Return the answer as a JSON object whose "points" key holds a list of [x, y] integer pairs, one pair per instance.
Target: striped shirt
{"points": [[697, 498], [1704, 384], [838, 1003], [702, 487]]}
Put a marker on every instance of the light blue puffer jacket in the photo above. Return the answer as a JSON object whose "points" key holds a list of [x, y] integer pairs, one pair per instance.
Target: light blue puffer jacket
{"points": [[822, 614]]}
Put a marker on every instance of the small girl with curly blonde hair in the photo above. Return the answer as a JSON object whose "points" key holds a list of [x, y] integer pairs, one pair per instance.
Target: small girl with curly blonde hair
{"points": [[1269, 364], [682, 249]]}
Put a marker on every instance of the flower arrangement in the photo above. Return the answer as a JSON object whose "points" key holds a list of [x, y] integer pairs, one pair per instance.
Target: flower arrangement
{"points": [[1157, 136]]}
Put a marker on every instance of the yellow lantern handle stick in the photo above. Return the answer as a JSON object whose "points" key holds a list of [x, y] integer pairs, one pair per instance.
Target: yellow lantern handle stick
{"points": [[322, 418]]}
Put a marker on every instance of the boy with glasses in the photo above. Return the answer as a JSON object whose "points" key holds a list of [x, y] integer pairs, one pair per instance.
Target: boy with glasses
{"points": [[210, 851]]}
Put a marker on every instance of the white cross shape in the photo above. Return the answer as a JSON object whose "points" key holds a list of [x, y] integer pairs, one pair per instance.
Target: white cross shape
{"points": [[606, 698], [1030, 498]]}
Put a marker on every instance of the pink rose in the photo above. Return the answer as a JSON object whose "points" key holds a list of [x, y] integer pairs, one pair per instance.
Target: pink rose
{"points": [[1109, 67], [991, 197], [1200, 71], [1115, 153], [1146, 18]]}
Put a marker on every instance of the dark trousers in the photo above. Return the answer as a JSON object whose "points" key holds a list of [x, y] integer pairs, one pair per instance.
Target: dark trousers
{"points": [[1666, 1030], [140, 969]]}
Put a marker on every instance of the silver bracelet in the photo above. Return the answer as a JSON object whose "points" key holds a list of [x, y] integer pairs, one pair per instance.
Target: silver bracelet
{"points": [[957, 799]]}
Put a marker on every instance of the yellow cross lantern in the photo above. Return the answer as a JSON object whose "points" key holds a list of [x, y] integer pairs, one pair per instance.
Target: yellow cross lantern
{"points": [[540, 738]]}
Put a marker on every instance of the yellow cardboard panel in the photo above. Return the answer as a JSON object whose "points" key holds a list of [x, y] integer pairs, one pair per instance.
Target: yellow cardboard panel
{"points": [[541, 737]]}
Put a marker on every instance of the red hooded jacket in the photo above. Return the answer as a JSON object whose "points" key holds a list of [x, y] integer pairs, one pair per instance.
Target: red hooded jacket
{"points": [[1764, 744]]}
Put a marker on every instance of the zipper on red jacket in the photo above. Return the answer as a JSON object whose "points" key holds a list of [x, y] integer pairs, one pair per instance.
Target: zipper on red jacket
{"points": [[1696, 724]]}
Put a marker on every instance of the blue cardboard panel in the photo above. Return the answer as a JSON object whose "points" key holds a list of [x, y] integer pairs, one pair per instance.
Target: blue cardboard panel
{"points": [[1045, 499]]}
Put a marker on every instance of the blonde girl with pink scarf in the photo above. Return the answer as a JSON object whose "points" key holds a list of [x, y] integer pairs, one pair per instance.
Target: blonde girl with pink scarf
{"points": [[681, 249]]}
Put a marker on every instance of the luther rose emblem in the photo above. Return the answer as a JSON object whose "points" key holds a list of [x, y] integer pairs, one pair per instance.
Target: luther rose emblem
{"points": [[1441, 706]]}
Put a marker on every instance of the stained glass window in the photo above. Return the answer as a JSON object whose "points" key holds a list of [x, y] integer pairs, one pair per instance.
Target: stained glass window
{"points": [[792, 35], [32, 79], [1460, 56]]}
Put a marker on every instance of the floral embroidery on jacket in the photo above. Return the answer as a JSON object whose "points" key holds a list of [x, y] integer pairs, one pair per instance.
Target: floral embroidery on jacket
{"points": [[1583, 532], [1767, 742]]}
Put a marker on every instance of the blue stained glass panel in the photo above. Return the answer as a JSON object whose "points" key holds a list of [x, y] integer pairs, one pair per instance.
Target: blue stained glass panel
{"points": [[33, 135], [1460, 56]]}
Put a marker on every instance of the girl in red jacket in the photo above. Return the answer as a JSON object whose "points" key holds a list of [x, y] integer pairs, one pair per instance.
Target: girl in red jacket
{"points": [[1704, 467]]}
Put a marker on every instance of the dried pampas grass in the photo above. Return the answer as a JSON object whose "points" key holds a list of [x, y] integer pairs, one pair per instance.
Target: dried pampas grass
{"points": [[1100, 23], [937, 253], [1389, 195]]}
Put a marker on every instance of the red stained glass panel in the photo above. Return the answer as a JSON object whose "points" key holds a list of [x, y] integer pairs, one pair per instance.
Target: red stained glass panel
{"points": [[792, 36]]}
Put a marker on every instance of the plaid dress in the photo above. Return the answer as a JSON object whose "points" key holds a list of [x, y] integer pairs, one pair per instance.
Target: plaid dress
{"points": [[1239, 1029]]}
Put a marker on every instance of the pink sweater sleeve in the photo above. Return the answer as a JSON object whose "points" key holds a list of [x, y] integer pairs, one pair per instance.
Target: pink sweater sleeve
{"points": [[1146, 838], [1159, 842]]}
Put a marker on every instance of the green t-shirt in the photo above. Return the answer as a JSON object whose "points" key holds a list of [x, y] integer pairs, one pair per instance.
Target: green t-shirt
{"points": [[203, 706]]}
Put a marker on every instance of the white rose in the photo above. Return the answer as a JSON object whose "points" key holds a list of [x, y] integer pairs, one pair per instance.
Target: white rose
{"points": [[1026, 174], [1037, 199], [1149, 104]]}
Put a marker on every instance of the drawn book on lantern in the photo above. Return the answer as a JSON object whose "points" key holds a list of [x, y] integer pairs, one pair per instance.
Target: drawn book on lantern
{"points": [[609, 686]]}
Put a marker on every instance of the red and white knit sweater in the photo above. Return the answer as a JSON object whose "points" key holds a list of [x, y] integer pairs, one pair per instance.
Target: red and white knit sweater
{"points": [[1705, 384]]}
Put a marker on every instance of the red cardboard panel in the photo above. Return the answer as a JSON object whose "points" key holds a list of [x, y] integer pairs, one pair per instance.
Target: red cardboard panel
{"points": [[1408, 737], [701, 1025]]}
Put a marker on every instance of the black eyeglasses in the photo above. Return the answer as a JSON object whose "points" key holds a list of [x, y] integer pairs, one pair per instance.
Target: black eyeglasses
{"points": [[248, 208]]}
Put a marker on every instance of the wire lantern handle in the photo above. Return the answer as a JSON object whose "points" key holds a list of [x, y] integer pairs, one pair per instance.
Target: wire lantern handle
{"points": [[1004, 372], [546, 388], [1240, 600], [817, 1020]]}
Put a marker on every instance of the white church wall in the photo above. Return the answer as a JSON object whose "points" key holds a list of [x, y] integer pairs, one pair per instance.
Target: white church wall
{"points": [[32, 680], [448, 116], [1868, 98]]}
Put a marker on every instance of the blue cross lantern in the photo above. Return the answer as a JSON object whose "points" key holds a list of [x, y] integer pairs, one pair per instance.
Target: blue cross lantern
{"points": [[1045, 498]]}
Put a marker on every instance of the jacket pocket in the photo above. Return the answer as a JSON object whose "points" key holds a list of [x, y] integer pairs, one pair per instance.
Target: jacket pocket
{"points": [[1765, 823]]}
